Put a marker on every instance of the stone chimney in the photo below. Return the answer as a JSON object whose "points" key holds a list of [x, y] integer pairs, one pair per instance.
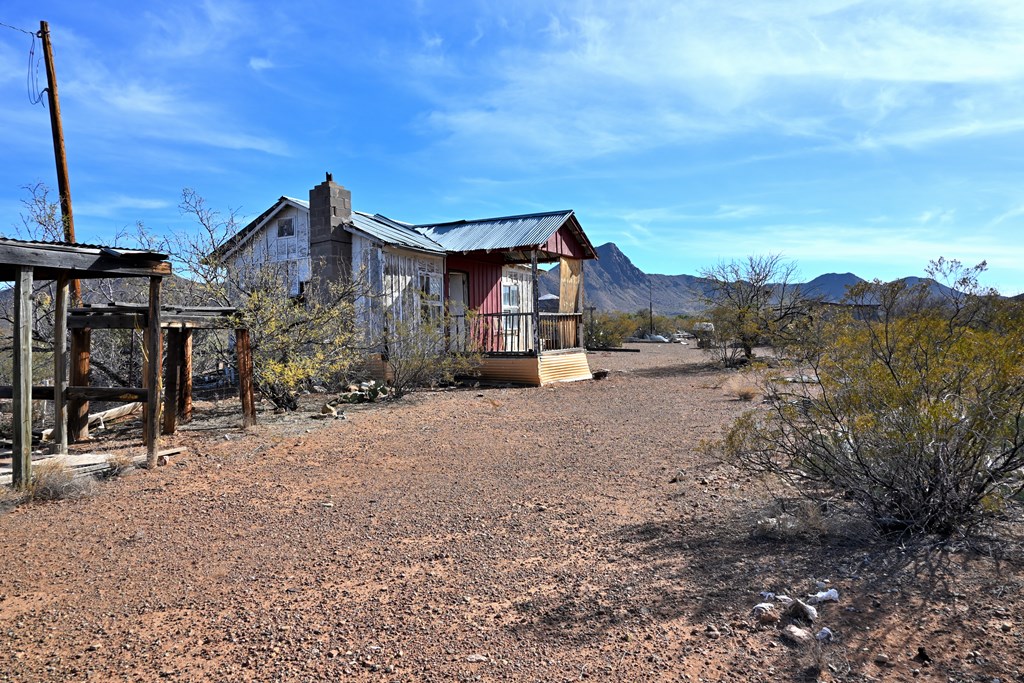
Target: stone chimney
{"points": [[330, 245]]}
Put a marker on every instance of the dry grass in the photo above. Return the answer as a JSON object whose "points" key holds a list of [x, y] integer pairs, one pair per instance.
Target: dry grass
{"points": [[119, 463], [742, 387], [53, 480]]}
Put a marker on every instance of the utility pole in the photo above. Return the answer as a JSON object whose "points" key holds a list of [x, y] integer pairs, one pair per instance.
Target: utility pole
{"points": [[650, 293], [63, 185]]}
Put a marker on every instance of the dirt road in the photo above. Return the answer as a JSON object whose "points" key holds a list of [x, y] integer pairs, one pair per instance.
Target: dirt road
{"points": [[485, 534]]}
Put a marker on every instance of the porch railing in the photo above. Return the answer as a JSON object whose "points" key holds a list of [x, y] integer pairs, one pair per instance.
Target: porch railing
{"points": [[512, 333]]}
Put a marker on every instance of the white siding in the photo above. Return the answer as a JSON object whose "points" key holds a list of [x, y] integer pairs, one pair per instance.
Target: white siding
{"points": [[287, 253]]}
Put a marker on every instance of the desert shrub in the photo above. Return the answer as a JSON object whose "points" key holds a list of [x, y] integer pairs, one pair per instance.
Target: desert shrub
{"points": [[608, 329], [914, 414]]}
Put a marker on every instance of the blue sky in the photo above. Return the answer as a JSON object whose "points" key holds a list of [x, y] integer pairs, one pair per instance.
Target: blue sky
{"points": [[868, 136]]}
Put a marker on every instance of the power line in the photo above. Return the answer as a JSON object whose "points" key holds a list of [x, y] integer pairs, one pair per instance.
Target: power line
{"points": [[15, 28]]}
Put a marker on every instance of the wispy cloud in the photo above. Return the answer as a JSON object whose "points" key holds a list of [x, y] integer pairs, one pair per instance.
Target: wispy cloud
{"points": [[600, 78], [116, 204], [260, 63]]}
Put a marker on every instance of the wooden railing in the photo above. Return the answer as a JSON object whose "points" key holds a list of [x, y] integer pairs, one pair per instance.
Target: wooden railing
{"points": [[512, 333]]}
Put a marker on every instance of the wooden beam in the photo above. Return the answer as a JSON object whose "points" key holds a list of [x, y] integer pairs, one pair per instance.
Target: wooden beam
{"points": [[535, 317], [172, 371], [123, 394], [243, 350], [38, 393], [580, 308], [108, 321], [21, 417], [154, 352], [185, 395], [60, 371], [78, 409]]}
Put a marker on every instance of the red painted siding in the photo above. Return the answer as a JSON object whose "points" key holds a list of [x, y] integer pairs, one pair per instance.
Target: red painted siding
{"points": [[484, 282], [564, 244]]}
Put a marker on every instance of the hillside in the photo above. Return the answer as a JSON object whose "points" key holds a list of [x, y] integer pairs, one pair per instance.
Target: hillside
{"points": [[614, 283]]}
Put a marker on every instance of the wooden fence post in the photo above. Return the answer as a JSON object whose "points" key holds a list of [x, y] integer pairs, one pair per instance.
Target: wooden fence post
{"points": [[78, 410], [21, 417], [243, 350], [154, 349], [171, 376], [60, 347], [185, 393]]}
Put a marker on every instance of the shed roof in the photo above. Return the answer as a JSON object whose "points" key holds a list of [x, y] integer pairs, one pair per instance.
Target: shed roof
{"points": [[52, 259], [505, 232]]}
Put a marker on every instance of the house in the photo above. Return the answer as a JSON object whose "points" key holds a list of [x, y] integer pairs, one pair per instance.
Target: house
{"points": [[479, 275]]}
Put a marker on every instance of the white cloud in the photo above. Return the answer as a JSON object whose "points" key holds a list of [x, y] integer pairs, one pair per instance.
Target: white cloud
{"points": [[260, 63]]}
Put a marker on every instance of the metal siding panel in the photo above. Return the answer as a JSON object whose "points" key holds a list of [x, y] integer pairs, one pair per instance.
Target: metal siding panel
{"points": [[564, 367], [496, 233]]}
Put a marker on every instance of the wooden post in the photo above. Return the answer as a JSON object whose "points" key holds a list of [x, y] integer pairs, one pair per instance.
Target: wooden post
{"points": [[59, 154], [60, 383], [78, 409], [21, 417], [154, 351], [185, 394], [535, 317], [580, 301], [245, 389], [172, 369]]}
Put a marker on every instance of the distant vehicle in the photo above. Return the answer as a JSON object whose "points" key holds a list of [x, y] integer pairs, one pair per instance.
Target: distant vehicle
{"points": [[703, 327], [680, 338], [657, 338]]}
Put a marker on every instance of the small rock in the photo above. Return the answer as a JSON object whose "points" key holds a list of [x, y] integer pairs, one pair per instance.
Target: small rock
{"points": [[825, 635], [328, 504], [800, 636], [881, 659], [679, 478], [831, 595], [94, 647], [329, 410], [800, 610], [766, 614], [476, 658]]}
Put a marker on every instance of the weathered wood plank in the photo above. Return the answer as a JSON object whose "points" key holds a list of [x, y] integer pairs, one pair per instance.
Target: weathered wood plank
{"points": [[107, 321], [535, 314], [21, 418]]}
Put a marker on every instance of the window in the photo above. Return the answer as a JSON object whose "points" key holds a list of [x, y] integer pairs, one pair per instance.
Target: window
{"points": [[285, 228], [430, 296], [510, 304]]}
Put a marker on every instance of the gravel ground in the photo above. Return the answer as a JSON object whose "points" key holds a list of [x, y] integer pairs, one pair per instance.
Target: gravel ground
{"points": [[490, 534]]}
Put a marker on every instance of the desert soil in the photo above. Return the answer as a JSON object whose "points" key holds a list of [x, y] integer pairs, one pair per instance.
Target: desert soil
{"points": [[485, 534]]}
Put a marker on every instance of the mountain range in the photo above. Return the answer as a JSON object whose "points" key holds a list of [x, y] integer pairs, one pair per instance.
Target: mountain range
{"points": [[614, 283]]}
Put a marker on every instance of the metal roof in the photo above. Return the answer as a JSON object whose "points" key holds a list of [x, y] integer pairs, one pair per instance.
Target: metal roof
{"points": [[394, 233], [506, 232]]}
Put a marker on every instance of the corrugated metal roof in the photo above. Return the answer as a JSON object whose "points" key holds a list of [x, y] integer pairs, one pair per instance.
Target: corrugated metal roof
{"points": [[82, 246], [393, 232], [507, 232]]}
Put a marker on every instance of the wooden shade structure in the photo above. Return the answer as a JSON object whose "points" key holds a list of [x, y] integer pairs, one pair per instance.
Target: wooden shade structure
{"points": [[23, 262]]}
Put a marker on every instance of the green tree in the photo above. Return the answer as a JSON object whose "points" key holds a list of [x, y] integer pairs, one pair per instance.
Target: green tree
{"points": [[915, 413]]}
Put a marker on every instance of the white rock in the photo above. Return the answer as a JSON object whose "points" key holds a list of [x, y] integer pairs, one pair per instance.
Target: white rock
{"points": [[825, 635], [831, 595], [800, 636], [801, 610]]}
